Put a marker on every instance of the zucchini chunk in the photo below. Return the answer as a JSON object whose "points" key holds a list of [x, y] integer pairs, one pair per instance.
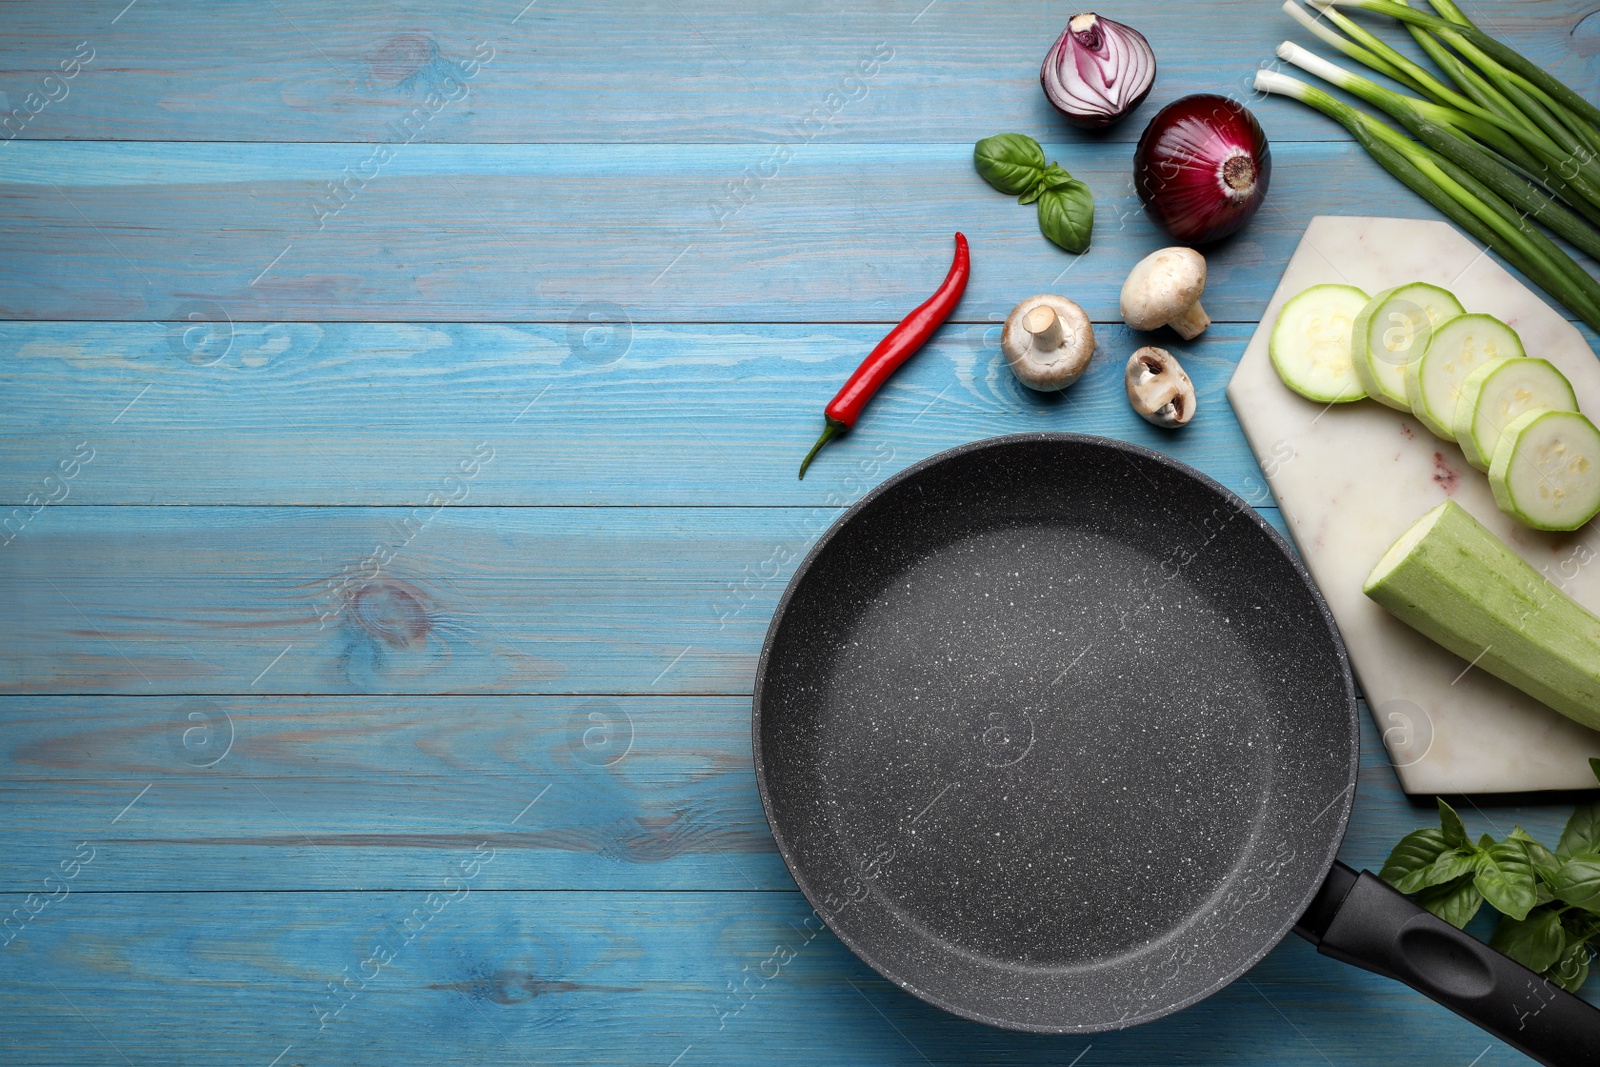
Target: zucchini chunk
{"points": [[1453, 581]]}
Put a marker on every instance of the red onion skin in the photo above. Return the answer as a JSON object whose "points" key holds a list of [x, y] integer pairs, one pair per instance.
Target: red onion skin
{"points": [[1082, 119], [1178, 167]]}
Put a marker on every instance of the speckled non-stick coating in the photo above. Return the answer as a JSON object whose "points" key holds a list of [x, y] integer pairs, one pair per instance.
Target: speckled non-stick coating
{"points": [[1055, 732]]}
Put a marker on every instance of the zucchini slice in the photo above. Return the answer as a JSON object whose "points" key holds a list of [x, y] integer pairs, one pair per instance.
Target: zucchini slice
{"points": [[1497, 393], [1392, 331], [1455, 582], [1459, 347], [1546, 470], [1310, 343]]}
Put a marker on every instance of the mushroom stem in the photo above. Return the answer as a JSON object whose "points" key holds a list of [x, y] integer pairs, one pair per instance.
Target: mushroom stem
{"points": [[1048, 342], [1191, 323], [1045, 326]]}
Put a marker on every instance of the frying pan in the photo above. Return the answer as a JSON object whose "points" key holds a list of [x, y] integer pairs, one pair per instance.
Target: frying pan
{"points": [[1057, 734]]}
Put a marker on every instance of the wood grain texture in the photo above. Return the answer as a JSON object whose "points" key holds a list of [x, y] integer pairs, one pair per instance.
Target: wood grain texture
{"points": [[359, 794], [284, 716], [382, 600], [508, 976], [541, 233], [635, 71], [594, 413], [602, 978], [345, 793], [377, 413]]}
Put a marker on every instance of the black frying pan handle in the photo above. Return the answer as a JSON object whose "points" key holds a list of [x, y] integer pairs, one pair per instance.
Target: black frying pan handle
{"points": [[1358, 919]]}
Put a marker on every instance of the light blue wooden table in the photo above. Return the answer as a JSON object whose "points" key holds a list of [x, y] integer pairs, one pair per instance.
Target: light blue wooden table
{"points": [[401, 408]]}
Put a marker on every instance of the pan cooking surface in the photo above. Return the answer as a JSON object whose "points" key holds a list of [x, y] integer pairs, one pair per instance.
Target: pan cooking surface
{"points": [[1055, 734]]}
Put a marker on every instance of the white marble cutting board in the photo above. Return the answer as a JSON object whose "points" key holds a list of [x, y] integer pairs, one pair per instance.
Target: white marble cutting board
{"points": [[1352, 477]]}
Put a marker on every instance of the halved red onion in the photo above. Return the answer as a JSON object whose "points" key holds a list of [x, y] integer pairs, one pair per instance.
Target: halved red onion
{"points": [[1202, 167], [1097, 71]]}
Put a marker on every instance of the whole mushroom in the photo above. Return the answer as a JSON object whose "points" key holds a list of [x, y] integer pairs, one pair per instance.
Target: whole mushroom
{"points": [[1048, 341], [1158, 388], [1164, 290]]}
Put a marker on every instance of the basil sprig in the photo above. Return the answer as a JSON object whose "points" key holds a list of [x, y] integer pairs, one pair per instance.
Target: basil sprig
{"points": [[1549, 902], [1011, 162], [1014, 164]]}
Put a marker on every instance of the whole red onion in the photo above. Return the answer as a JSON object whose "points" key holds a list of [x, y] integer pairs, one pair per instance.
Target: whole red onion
{"points": [[1097, 71], [1202, 167]]}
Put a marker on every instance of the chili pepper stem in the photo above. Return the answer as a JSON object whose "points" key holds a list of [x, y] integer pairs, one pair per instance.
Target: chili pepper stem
{"points": [[833, 429]]}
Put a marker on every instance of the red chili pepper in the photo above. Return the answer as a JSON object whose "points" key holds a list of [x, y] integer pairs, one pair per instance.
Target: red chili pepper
{"points": [[912, 333]]}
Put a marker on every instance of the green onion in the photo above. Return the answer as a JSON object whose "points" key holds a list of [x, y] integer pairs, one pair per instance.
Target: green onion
{"points": [[1434, 126], [1354, 51], [1482, 201], [1447, 10], [1516, 189], [1557, 120], [1466, 201], [1375, 94], [1557, 160], [1458, 121], [1508, 142], [1471, 82], [1501, 53], [1426, 82]]}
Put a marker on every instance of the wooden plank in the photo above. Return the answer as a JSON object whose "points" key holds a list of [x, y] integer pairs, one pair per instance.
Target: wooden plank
{"points": [[657, 953], [641, 740], [343, 794], [645, 415], [590, 830], [502, 233], [417, 600], [710, 70], [380, 600], [595, 978], [377, 413], [253, 793], [608, 978]]}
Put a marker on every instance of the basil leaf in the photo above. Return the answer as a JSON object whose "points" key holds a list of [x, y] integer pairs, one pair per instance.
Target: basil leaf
{"points": [[1542, 860], [1407, 866], [1581, 925], [1455, 902], [1577, 881], [1052, 180], [1055, 180], [1536, 942], [1011, 162], [1572, 969], [1505, 878], [1455, 834], [1066, 215], [1582, 833], [1450, 866]]}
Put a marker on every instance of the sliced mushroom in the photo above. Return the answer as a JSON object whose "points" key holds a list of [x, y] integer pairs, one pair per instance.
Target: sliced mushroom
{"points": [[1164, 290], [1158, 388], [1048, 341]]}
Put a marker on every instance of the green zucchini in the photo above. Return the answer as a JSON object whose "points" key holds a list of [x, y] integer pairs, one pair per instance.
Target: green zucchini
{"points": [[1546, 470], [1310, 343], [1497, 393], [1456, 349], [1392, 331], [1452, 580]]}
